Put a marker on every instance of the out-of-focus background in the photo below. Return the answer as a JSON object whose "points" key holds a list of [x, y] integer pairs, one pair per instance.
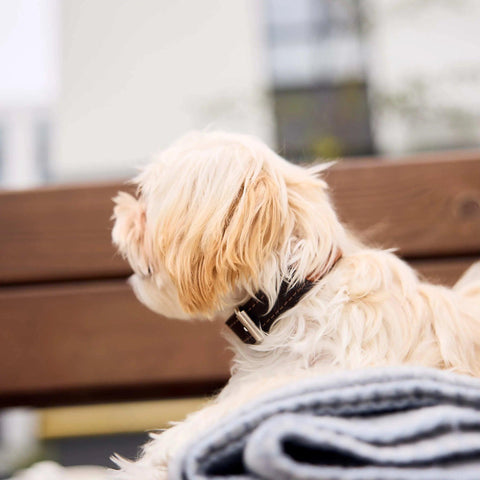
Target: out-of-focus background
{"points": [[90, 89]]}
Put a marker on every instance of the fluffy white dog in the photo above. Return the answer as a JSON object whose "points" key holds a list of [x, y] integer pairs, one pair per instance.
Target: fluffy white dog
{"points": [[223, 226]]}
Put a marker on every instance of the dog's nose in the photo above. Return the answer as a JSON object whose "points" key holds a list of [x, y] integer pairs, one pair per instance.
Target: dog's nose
{"points": [[131, 280]]}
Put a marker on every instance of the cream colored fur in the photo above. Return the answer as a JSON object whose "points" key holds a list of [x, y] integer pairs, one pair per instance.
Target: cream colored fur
{"points": [[219, 217]]}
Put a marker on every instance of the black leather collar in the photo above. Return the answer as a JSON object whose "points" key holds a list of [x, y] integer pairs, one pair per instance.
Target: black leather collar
{"points": [[251, 321]]}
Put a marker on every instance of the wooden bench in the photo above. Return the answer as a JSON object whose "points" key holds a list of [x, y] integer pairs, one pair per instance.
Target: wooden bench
{"points": [[72, 331]]}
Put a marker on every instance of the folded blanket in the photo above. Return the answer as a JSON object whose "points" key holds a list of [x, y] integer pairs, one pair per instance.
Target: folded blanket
{"points": [[392, 423]]}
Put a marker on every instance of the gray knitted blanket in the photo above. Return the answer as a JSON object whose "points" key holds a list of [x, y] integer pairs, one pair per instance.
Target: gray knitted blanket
{"points": [[383, 424]]}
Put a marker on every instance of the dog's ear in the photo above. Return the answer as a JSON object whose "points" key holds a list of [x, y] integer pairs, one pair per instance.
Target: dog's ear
{"points": [[229, 247], [129, 229]]}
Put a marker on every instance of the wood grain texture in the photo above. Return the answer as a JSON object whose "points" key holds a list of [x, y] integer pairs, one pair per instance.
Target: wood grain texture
{"points": [[426, 205], [95, 337], [58, 233]]}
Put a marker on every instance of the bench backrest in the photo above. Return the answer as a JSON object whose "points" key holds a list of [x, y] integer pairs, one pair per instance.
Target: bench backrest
{"points": [[71, 330]]}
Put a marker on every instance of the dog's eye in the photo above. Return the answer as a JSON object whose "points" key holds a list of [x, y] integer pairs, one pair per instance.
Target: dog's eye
{"points": [[145, 274]]}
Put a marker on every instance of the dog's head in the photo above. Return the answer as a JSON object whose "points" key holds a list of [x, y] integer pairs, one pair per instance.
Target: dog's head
{"points": [[218, 217]]}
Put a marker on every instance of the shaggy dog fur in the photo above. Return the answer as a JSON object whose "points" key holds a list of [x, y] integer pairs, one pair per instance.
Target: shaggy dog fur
{"points": [[220, 217]]}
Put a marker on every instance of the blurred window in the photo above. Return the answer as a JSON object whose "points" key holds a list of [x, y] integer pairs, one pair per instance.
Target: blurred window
{"points": [[319, 83]]}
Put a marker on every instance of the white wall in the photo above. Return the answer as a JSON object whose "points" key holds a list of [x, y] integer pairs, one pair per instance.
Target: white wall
{"points": [[427, 55], [137, 74], [28, 60], [28, 86]]}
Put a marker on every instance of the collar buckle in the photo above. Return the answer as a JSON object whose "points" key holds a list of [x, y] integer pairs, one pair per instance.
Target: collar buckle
{"points": [[249, 325]]}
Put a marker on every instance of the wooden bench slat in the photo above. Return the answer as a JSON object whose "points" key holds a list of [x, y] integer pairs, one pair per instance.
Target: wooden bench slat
{"points": [[427, 206], [58, 233], [95, 336], [443, 272]]}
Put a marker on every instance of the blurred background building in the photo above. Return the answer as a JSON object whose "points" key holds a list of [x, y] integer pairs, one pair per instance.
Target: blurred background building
{"points": [[91, 89]]}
